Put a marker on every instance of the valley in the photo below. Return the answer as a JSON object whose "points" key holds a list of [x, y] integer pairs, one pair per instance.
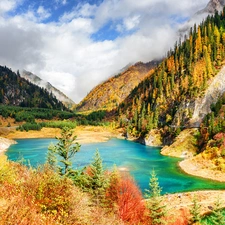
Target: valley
{"points": [[159, 127]]}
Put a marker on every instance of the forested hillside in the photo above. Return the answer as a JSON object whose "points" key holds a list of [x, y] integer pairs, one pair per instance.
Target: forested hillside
{"points": [[34, 79], [176, 83], [15, 90], [112, 92]]}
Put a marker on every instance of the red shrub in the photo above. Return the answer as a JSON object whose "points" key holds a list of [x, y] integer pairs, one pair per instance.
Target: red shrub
{"points": [[124, 196]]}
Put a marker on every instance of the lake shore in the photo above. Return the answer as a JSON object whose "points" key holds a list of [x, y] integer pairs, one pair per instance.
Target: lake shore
{"points": [[85, 134], [182, 202], [5, 144], [95, 134], [196, 167], [176, 202]]}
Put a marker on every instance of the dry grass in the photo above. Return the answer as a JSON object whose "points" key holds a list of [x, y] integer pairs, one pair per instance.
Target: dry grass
{"points": [[85, 134]]}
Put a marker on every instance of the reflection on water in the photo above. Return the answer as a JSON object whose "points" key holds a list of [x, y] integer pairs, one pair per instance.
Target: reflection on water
{"points": [[138, 159]]}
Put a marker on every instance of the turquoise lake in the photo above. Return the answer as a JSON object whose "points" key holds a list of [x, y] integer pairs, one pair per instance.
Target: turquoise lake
{"points": [[140, 160]]}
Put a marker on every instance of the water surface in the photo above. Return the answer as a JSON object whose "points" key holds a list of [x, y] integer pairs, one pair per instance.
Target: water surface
{"points": [[140, 160]]}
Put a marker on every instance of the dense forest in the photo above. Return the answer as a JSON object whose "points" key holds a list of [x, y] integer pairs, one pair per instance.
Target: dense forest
{"points": [[178, 80], [15, 90]]}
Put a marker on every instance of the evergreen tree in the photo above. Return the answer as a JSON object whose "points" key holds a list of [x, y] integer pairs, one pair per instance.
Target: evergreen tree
{"points": [[66, 148], [97, 180], [157, 210], [51, 157], [195, 211], [217, 217]]}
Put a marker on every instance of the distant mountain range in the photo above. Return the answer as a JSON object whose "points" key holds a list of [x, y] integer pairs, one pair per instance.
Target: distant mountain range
{"points": [[46, 85]]}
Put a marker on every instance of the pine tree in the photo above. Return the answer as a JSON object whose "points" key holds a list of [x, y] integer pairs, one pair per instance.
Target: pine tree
{"points": [[217, 217], [97, 181], [66, 148], [51, 157], [195, 211], [157, 210]]}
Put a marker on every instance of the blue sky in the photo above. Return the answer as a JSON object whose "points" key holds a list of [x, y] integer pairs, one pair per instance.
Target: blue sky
{"points": [[76, 44]]}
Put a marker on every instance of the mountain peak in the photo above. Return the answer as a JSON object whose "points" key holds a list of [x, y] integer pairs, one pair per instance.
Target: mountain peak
{"points": [[46, 85], [212, 6]]}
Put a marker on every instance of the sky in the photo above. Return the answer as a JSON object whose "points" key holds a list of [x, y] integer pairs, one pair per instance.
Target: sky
{"points": [[77, 44]]}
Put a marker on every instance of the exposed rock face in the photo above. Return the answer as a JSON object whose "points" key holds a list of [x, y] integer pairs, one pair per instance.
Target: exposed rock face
{"points": [[154, 138], [46, 85], [212, 94], [197, 18], [212, 6]]}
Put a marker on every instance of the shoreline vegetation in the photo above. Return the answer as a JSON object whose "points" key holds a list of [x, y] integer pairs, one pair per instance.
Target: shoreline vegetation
{"points": [[94, 134], [91, 134]]}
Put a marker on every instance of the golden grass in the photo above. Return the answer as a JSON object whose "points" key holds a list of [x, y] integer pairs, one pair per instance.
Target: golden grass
{"points": [[85, 134]]}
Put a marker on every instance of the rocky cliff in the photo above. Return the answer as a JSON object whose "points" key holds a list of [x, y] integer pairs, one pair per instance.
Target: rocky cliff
{"points": [[211, 95], [212, 6]]}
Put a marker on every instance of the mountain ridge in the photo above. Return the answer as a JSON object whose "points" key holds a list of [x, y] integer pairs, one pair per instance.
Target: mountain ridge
{"points": [[17, 91], [109, 94], [33, 78]]}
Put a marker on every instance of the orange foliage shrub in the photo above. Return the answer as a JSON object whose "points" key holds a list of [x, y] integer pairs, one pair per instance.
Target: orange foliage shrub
{"points": [[41, 197], [126, 199]]}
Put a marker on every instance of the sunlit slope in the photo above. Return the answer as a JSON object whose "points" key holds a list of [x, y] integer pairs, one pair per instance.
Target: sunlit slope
{"points": [[112, 92]]}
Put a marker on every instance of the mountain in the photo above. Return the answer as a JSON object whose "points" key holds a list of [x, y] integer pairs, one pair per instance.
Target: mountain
{"points": [[46, 85], [113, 91], [198, 17], [169, 98], [15, 90], [212, 6]]}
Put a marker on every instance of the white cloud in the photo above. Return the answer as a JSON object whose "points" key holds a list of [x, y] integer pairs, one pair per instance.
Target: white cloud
{"points": [[7, 5], [81, 10], [62, 2], [64, 53], [43, 13]]}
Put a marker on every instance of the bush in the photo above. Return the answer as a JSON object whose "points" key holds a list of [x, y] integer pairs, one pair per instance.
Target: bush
{"points": [[30, 126], [41, 197], [124, 197]]}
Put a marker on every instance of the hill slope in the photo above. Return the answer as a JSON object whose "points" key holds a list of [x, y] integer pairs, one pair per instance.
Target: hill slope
{"points": [[15, 90], [112, 92], [46, 85], [167, 98]]}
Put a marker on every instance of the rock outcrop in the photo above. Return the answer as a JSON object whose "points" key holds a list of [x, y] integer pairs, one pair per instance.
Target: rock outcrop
{"points": [[212, 94]]}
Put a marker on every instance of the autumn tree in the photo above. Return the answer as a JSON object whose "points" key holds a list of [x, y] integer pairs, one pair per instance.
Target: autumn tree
{"points": [[130, 202], [125, 199]]}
